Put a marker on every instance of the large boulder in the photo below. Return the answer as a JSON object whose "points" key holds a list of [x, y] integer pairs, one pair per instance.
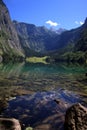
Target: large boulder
{"points": [[76, 118], [9, 124]]}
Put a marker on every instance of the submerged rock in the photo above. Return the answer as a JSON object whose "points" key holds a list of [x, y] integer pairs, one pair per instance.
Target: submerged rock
{"points": [[57, 101], [9, 124], [76, 118]]}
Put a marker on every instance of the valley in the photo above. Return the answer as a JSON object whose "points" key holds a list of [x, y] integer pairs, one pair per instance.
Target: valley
{"points": [[39, 66]]}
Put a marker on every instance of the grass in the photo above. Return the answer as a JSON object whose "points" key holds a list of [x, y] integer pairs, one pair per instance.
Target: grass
{"points": [[37, 59]]}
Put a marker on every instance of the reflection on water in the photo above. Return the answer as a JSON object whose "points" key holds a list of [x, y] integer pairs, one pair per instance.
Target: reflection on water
{"points": [[41, 84], [40, 77]]}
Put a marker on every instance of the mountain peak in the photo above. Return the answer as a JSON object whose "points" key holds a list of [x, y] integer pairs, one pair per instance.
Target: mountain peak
{"points": [[60, 30], [85, 23]]}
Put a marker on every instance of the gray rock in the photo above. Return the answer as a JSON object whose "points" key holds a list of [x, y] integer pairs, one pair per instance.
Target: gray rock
{"points": [[76, 118], [9, 41], [9, 124]]}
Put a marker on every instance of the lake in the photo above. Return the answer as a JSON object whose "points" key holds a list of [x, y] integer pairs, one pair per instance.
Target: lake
{"points": [[28, 92]]}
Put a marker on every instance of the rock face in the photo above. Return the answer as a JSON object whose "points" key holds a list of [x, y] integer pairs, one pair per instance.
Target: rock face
{"points": [[71, 37], [41, 39], [9, 124], [16, 37], [38, 39], [9, 41], [81, 44], [76, 118]]}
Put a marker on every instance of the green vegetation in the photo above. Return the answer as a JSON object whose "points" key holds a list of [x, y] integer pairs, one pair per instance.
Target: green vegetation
{"points": [[75, 51], [37, 59], [29, 128], [74, 56], [8, 53], [78, 56], [38, 42], [10, 48], [81, 44], [13, 55]]}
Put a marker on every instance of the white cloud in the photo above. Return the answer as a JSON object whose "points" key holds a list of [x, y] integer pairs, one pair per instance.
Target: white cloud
{"points": [[79, 23], [51, 23]]}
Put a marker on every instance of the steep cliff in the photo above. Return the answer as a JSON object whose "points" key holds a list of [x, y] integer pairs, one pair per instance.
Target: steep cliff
{"points": [[71, 37], [81, 44], [38, 39], [72, 45], [9, 42], [41, 39]]}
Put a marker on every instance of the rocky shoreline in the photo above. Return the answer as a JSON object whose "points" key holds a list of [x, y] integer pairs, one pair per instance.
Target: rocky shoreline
{"points": [[75, 119]]}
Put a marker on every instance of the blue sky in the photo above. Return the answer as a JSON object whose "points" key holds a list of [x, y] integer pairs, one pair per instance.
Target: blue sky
{"points": [[66, 14]]}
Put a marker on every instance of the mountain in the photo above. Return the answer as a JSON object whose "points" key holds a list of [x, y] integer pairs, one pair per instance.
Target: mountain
{"points": [[70, 37], [60, 46], [72, 45], [81, 44], [41, 39], [60, 31], [38, 39], [10, 46], [18, 38]]}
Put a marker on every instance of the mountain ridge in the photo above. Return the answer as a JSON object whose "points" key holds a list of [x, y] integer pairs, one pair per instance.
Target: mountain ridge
{"points": [[74, 46], [19, 39], [33, 37], [47, 40]]}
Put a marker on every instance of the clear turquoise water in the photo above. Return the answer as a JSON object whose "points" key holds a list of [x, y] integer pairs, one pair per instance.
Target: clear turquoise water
{"points": [[65, 82], [40, 77]]}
